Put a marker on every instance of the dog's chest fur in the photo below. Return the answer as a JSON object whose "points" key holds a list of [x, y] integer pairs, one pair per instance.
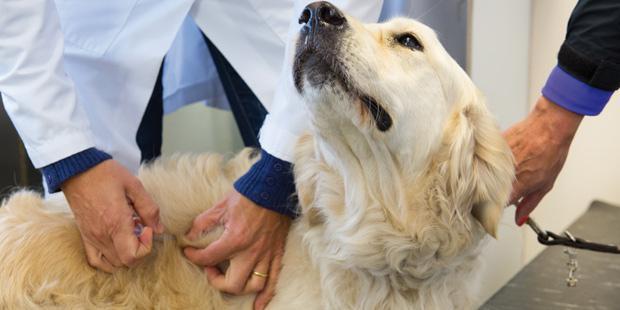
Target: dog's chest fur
{"points": [[368, 265]]}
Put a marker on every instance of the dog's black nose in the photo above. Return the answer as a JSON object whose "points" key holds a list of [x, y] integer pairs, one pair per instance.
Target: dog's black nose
{"points": [[321, 13]]}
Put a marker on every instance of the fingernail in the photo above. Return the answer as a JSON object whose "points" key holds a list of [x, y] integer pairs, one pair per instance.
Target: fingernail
{"points": [[522, 220]]}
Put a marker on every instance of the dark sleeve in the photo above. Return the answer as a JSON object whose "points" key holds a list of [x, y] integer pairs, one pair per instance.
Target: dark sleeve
{"points": [[57, 173], [591, 50], [270, 184], [588, 70]]}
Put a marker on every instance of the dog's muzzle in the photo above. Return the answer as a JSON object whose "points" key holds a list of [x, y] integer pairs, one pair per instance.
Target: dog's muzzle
{"points": [[321, 16], [318, 57], [318, 45]]}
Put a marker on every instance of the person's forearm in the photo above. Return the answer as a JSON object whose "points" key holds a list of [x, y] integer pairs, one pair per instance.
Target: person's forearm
{"points": [[564, 123]]}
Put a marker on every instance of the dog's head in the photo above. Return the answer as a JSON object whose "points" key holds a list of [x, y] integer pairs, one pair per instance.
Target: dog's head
{"points": [[398, 119]]}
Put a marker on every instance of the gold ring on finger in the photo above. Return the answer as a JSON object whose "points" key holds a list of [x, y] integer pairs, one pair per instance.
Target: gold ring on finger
{"points": [[260, 274]]}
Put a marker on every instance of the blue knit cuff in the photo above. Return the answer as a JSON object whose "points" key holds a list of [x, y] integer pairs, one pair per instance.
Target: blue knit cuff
{"points": [[270, 184], [57, 173], [574, 95]]}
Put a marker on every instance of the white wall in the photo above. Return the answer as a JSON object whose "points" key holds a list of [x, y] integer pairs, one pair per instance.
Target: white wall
{"points": [[514, 46], [499, 67], [500, 35], [592, 170]]}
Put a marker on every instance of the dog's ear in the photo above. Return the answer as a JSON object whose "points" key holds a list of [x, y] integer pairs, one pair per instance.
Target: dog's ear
{"points": [[479, 168]]}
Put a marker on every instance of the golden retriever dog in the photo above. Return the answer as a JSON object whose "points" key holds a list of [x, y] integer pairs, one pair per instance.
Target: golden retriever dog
{"points": [[400, 179]]}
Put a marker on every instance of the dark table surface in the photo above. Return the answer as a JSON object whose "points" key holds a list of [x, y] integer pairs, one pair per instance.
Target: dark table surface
{"points": [[541, 284]]}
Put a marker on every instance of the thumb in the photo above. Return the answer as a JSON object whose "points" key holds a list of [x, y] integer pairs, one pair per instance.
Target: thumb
{"points": [[206, 221], [129, 247], [144, 206]]}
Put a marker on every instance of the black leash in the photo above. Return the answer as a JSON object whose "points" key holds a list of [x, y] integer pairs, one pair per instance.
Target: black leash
{"points": [[550, 238]]}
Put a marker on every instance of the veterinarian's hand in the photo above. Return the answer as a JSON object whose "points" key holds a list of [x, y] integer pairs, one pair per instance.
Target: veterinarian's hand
{"points": [[253, 240], [103, 200], [540, 144]]}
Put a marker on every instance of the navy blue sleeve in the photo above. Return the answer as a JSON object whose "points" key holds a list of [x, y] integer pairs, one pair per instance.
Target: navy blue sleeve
{"points": [[57, 173], [270, 184]]}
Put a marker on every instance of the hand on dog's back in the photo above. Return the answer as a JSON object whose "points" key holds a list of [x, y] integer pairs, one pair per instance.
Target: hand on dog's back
{"points": [[103, 200], [253, 240]]}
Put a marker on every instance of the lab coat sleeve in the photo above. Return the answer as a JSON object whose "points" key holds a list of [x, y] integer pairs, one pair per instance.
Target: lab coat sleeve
{"points": [[38, 95], [288, 117]]}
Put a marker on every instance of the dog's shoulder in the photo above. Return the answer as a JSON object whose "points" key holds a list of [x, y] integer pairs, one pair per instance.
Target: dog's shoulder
{"points": [[30, 203]]}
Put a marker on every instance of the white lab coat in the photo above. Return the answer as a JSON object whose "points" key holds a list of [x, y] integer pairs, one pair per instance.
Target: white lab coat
{"points": [[189, 74], [93, 91]]}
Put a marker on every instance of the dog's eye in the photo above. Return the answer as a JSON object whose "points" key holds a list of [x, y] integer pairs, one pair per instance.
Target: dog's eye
{"points": [[410, 41]]}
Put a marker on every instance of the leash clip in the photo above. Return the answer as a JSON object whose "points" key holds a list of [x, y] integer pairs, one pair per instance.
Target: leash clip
{"points": [[567, 239]]}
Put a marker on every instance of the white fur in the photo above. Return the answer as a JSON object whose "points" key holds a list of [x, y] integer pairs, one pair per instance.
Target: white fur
{"points": [[391, 220]]}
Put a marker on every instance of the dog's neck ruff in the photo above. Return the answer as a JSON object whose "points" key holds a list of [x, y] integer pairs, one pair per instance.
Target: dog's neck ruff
{"points": [[359, 230]]}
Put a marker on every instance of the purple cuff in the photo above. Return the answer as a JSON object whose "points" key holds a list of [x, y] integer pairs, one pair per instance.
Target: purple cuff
{"points": [[574, 95]]}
